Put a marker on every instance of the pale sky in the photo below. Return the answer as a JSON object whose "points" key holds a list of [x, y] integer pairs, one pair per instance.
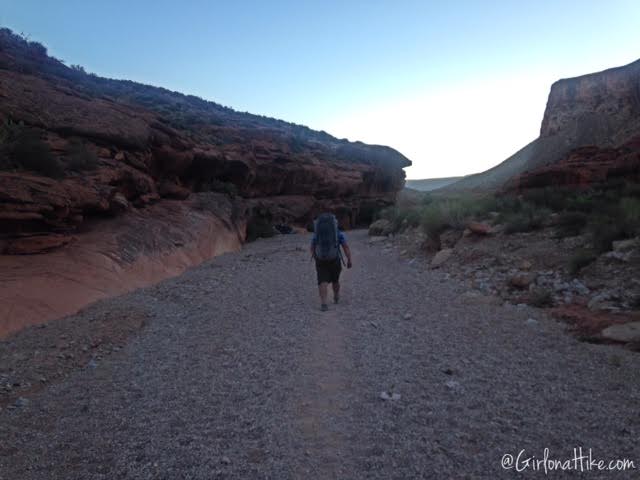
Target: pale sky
{"points": [[455, 86]]}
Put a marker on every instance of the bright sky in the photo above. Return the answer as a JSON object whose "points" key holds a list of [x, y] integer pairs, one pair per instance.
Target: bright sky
{"points": [[456, 86]]}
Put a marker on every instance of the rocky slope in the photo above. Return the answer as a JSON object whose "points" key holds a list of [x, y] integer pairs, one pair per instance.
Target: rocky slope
{"points": [[428, 184], [601, 111], [534, 269], [107, 178]]}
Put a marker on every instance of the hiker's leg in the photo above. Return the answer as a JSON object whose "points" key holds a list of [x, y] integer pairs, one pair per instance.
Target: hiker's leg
{"points": [[323, 289], [336, 290]]}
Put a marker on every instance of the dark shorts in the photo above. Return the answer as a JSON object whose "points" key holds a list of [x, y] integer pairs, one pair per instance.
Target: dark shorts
{"points": [[328, 270]]}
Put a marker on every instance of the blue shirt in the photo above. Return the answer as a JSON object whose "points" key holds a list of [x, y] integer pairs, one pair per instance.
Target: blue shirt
{"points": [[342, 240]]}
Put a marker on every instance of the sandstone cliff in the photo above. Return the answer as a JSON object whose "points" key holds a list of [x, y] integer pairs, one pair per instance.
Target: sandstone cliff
{"points": [[599, 110], [117, 184], [76, 146]]}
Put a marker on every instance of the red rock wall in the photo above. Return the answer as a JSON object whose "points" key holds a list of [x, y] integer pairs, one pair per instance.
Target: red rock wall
{"points": [[115, 257]]}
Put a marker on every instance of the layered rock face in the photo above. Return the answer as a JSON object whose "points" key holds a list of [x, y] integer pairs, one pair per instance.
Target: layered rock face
{"points": [[604, 106], [117, 185], [583, 167], [106, 146], [589, 133]]}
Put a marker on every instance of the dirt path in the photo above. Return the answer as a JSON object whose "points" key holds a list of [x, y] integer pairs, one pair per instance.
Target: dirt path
{"points": [[237, 374]]}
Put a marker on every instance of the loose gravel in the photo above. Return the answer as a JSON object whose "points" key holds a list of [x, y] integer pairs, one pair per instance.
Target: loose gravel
{"points": [[238, 375]]}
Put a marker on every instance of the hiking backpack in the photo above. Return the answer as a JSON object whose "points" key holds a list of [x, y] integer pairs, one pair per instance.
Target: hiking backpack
{"points": [[326, 231]]}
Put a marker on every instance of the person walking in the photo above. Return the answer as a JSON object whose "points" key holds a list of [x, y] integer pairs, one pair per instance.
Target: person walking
{"points": [[325, 250]]}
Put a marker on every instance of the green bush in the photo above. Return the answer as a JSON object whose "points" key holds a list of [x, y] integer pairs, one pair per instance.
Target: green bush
{"points": [[29, 152], [527, 219], [432, 220], [581, 259], [401, 217], [259, 227], [629, 210], [581, 202], [427, 199], [571, 224]]}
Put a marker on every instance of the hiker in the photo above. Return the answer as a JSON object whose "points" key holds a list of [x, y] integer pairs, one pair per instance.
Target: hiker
{"points": [[325, 250]]}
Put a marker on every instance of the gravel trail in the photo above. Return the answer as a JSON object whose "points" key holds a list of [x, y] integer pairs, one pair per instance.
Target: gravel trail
{"points": [[238, 375]]}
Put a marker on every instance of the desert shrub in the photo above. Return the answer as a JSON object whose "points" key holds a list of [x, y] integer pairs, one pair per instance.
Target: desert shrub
{"points": [[553, 198], [259, 227], [629, 211], [517, 222], [541, 298], [581, 259], [401, 217], [528, 218], [427, 199], [581, 202], [604, 231], [615, 222], [81, 158], [38, 49], [571, 224], [29, 152], [432, 220]]}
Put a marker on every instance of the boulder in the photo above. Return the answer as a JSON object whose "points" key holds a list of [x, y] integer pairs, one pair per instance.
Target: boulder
{"points": [[479, 228], [380, 227], [441, 257], [118, 204], [521, 281], [626, 332], [626, 245]]}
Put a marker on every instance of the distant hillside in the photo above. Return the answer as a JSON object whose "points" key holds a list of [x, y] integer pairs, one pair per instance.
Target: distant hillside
{"points": [[600, 109], [428, 184]]}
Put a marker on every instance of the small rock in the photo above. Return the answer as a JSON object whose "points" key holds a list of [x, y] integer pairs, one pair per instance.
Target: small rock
{"points": [[626, 332], [521, 281], [441, 257], [390, 397], [626, 245], [407, 316], [600, 300], [225, 460], [453, 385], [479, 228], [525, 265], [21, 402], [377, 239], [532, 321]]}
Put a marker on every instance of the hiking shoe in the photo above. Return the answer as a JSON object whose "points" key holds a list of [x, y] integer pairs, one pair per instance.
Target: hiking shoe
{"points": [[323, 307]]}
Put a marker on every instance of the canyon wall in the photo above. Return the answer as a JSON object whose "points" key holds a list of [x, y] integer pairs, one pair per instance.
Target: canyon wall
{"points": [[115, 185], [600, 110]]}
